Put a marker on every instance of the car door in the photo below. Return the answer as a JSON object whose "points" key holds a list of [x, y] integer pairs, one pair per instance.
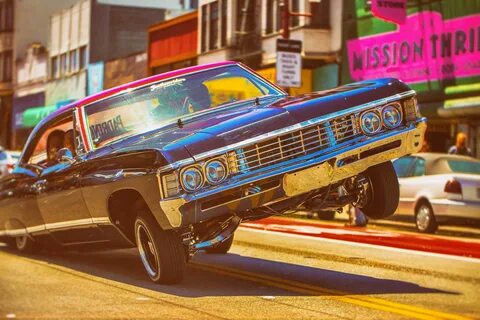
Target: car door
{"points": [[60, 198], [19, 212]]}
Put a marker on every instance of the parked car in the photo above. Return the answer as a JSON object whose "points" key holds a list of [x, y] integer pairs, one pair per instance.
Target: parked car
{"points": [[8, 160], [439, 188], [173, 163]]}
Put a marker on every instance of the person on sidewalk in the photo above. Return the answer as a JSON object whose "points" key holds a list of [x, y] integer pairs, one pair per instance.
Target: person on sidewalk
{"points": [[356, 218], [460, 146]]}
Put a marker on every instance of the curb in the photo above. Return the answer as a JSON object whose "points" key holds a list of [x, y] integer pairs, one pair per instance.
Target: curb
{"points": [[426, 243]]}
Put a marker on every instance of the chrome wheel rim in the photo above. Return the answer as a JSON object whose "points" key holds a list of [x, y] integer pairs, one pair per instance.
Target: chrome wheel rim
{"points": [[147, 250], [423, 217], [21, 242]]}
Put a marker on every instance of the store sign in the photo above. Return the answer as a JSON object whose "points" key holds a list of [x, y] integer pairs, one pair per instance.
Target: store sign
{"points": [[426, 48], [95, 77], [390, 10], [289, 63]]}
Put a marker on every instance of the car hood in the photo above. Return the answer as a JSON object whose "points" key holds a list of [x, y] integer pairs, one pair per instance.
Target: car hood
{"points": [[235, 123]]}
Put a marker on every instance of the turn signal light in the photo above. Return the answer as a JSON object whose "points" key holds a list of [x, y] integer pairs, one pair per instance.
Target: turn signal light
{"points": [[453, 186]]}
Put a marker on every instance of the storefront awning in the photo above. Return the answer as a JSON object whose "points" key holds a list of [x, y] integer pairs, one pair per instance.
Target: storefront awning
{"points": [[32, 116], [463, 107]]}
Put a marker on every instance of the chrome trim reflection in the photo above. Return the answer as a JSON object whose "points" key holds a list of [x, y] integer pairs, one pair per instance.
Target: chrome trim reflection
{"points": [[310, 160]]}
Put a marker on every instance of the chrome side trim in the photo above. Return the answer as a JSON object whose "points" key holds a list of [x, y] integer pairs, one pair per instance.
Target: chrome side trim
{"points": [[56, 225], [289, 129]]}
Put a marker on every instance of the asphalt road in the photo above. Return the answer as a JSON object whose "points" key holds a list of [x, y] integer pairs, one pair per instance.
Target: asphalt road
{"points": [[266, 276]]}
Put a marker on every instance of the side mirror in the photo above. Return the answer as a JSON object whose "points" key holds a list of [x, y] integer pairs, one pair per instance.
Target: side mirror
{"points": [[64, 155]]}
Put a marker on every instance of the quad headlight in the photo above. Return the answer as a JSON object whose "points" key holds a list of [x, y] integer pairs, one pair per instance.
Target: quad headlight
{"points": [[194, 177], [392, 116], [370, 122], [215, 171], [191, 178]]}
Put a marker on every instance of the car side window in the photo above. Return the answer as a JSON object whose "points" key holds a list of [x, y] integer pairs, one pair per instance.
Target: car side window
{"points": [[419, 169], [51, 140], [403, 166]]}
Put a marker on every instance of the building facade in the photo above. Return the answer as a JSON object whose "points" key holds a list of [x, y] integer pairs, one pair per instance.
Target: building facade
{"points": [[247, 31], [437, 52], [86, 35], [172, 44]]}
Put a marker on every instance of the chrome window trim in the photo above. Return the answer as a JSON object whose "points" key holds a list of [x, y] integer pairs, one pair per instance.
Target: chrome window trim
{"points": [[298, 126]]}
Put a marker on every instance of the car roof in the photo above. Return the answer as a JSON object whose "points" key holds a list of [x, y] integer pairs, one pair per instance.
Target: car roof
{"points": [[436, 163]]}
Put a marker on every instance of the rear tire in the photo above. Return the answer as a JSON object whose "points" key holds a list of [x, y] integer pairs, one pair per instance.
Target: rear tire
{"points": [[384, 193], [221, 248], [425, 219], [161, 251]]}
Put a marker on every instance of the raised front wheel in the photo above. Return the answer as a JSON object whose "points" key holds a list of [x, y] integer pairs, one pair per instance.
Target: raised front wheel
{"points": [[383, 193], [161, 251]]}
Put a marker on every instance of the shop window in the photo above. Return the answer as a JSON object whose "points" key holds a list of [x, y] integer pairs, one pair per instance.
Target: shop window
{"points": [[320, 14], [63, 64], [204, 27], [6, 15], [214, 24], [74, 61], [294, 7], [246, 16], [223, 42], [54, 67], [269, 28], [6, 66], [274, 17], [83, 57]]}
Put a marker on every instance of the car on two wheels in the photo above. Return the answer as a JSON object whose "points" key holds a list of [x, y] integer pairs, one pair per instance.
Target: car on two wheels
{"points": [[172, 164]]}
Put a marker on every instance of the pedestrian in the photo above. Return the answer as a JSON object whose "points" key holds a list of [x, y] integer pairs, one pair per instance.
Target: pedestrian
{"points": [[460, 146], [356, 218]]}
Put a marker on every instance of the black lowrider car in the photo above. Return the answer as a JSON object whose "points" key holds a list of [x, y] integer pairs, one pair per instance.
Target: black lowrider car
{"points": [[173, 163]]}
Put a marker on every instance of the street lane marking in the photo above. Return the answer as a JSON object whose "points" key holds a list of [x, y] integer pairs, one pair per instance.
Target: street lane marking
{"points": [[300, 287], [366, 245]]}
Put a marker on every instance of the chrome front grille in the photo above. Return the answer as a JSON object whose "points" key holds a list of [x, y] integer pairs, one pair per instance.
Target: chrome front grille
{"points": [[293, 144]]}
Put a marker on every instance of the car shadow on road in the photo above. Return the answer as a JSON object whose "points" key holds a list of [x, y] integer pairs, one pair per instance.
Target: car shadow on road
{"points": [[124, 266]]}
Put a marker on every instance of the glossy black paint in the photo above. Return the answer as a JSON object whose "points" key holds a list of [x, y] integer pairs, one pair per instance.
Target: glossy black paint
{"points": [[82, 191]]}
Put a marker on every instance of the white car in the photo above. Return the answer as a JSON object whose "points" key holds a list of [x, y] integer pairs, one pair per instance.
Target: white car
{"points": [[8, 160], [438, 188]]}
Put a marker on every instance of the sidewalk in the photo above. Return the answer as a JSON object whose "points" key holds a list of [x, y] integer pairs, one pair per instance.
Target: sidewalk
{"points": [[390, 238]]}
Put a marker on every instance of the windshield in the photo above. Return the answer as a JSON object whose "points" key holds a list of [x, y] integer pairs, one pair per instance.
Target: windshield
{"points": [[147, 108], [464, 166]]}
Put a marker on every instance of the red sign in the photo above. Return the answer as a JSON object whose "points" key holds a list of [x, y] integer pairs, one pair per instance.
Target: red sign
{"points": [[390, 10]]}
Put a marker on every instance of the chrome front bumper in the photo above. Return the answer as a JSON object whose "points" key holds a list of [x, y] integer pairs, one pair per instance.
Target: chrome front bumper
{"points": [[299, 175]]}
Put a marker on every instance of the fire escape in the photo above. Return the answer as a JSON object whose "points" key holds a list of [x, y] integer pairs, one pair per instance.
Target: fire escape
{"points": [[246, 45]]}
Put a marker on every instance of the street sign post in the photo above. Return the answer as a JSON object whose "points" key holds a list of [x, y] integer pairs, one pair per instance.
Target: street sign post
{"points": [[289, 63]]}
